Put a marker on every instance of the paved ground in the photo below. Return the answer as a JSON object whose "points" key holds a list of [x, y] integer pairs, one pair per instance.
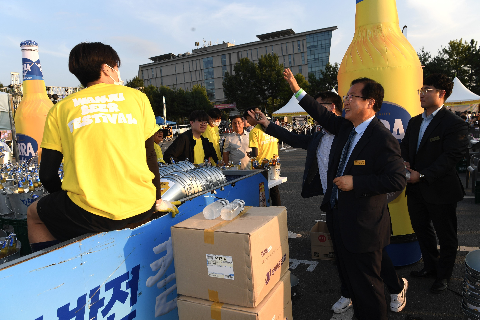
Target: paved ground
{"points": [[319, 289]]}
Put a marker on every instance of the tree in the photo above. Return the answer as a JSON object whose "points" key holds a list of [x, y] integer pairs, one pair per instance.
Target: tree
{"points": [[1, 85], [241, 87], [327, 81], [458, 59], [135, 83], [270, 82]]}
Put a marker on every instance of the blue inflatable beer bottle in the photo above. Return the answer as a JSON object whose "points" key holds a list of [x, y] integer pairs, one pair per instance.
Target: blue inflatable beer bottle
{"points": [[32, 111], [381, 52]]}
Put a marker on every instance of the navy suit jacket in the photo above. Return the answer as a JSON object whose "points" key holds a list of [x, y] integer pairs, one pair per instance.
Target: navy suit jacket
{"points": [[443, 144], [311, 185], [377, 169]]}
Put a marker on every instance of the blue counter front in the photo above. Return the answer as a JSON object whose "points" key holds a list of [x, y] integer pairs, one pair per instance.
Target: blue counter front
{"points": [[119, 275]]}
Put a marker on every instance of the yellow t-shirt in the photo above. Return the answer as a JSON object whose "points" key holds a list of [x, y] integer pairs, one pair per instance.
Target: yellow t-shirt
{"points": [[213, 135], [267, 145], [101, 132], [198, 152], [159, 153]]}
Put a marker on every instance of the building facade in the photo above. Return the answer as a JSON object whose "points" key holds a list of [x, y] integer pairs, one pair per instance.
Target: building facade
{"points": [[306, 52]]}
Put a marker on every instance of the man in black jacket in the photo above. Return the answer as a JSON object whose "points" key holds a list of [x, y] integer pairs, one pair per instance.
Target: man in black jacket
{"points": [[190, 144], [433, 144], [364, 165]]}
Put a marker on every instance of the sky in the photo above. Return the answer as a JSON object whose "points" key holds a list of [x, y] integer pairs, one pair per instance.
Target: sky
{"points": [[141, 29]]}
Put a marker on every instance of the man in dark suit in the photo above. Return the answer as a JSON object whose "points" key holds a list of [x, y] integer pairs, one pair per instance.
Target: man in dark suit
{"points": [[364, 166], [433, 144]]}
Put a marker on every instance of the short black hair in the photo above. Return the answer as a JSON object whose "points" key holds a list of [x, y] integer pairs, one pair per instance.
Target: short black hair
{"points": [[440, 81], [199, 115], [245, 114], [86, 60], [331, 97], [371, 90], [235, 117], [214, 113]]}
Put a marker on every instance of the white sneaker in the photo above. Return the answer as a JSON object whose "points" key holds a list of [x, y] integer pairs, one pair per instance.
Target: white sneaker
{"points": [[342, 305], [398, 301]]}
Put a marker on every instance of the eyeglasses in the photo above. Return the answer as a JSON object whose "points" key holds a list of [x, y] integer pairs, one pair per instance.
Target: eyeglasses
{"points": [[425, 90], [349, 97], [202, 122]]}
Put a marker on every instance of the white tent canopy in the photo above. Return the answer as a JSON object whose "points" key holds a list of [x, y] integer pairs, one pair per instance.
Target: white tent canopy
{"points": [[292, 108], [461, 96]]}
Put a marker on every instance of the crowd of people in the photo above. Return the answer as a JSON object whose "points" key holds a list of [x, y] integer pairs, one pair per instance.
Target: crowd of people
{"points": [[111, 178]]}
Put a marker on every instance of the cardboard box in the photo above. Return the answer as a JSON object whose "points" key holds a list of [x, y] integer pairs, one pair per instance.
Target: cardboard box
{"points": [[276, 305], [322, 246], [236, 262]]}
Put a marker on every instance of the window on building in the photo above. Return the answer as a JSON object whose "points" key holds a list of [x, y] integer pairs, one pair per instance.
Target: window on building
{"points": [[224, 59], [298, 45], [289, 60], [224, 69], [266, 50], [272, 48], [293, 58], [318, 51], [303, 58], [210, 87], [251, 54], [281, 48], [143, 76], [286, 48], [208, 76], [300, 69], [153, 73], [257, 53], [161, 72]]}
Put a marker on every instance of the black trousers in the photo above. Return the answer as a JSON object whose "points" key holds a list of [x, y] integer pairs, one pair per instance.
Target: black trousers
{"points": [[388, 273], [430, 221], [362, 275], [274, 192]]}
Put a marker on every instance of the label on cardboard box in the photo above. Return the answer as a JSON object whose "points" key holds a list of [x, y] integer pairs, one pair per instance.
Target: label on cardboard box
{"points": [[220, 266]]}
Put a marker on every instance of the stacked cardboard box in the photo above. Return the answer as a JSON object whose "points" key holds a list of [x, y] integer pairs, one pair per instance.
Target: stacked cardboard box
{"points": [[238, 266]]}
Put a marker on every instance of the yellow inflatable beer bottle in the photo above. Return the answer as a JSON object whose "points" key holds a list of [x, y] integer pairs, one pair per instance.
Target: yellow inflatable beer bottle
{"points": [[32, 111], [381, 52]]}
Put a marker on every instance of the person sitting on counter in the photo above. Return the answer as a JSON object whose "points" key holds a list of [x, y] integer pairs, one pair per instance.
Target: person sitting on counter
{"points": [[104, 134]]}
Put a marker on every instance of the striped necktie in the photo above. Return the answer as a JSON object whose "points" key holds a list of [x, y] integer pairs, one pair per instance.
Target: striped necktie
{"points": [[341, 167]]}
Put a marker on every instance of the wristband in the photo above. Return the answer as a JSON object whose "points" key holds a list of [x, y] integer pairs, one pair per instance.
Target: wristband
{"points": [[299, 92]]}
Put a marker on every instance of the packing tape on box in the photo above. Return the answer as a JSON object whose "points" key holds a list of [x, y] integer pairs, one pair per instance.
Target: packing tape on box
{"points": [[213, 295], [216, 311], [208, 234]]}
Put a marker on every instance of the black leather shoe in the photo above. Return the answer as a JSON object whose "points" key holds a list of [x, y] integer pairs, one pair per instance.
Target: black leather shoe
{"points": [[439, 286], [423, 273]]}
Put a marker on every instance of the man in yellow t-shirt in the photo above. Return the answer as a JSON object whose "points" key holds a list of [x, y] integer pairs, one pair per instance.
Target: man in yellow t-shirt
{"points": [[212, 133], [104, 134], [263, 146], [157, 138]]}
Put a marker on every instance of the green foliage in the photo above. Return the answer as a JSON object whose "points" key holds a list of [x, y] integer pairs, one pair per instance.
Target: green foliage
{"points": [[326, 82], [258, 85], [270, 82], [1, 85], [242, 86], [459, 58], [134, 83], [180, 103]]}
